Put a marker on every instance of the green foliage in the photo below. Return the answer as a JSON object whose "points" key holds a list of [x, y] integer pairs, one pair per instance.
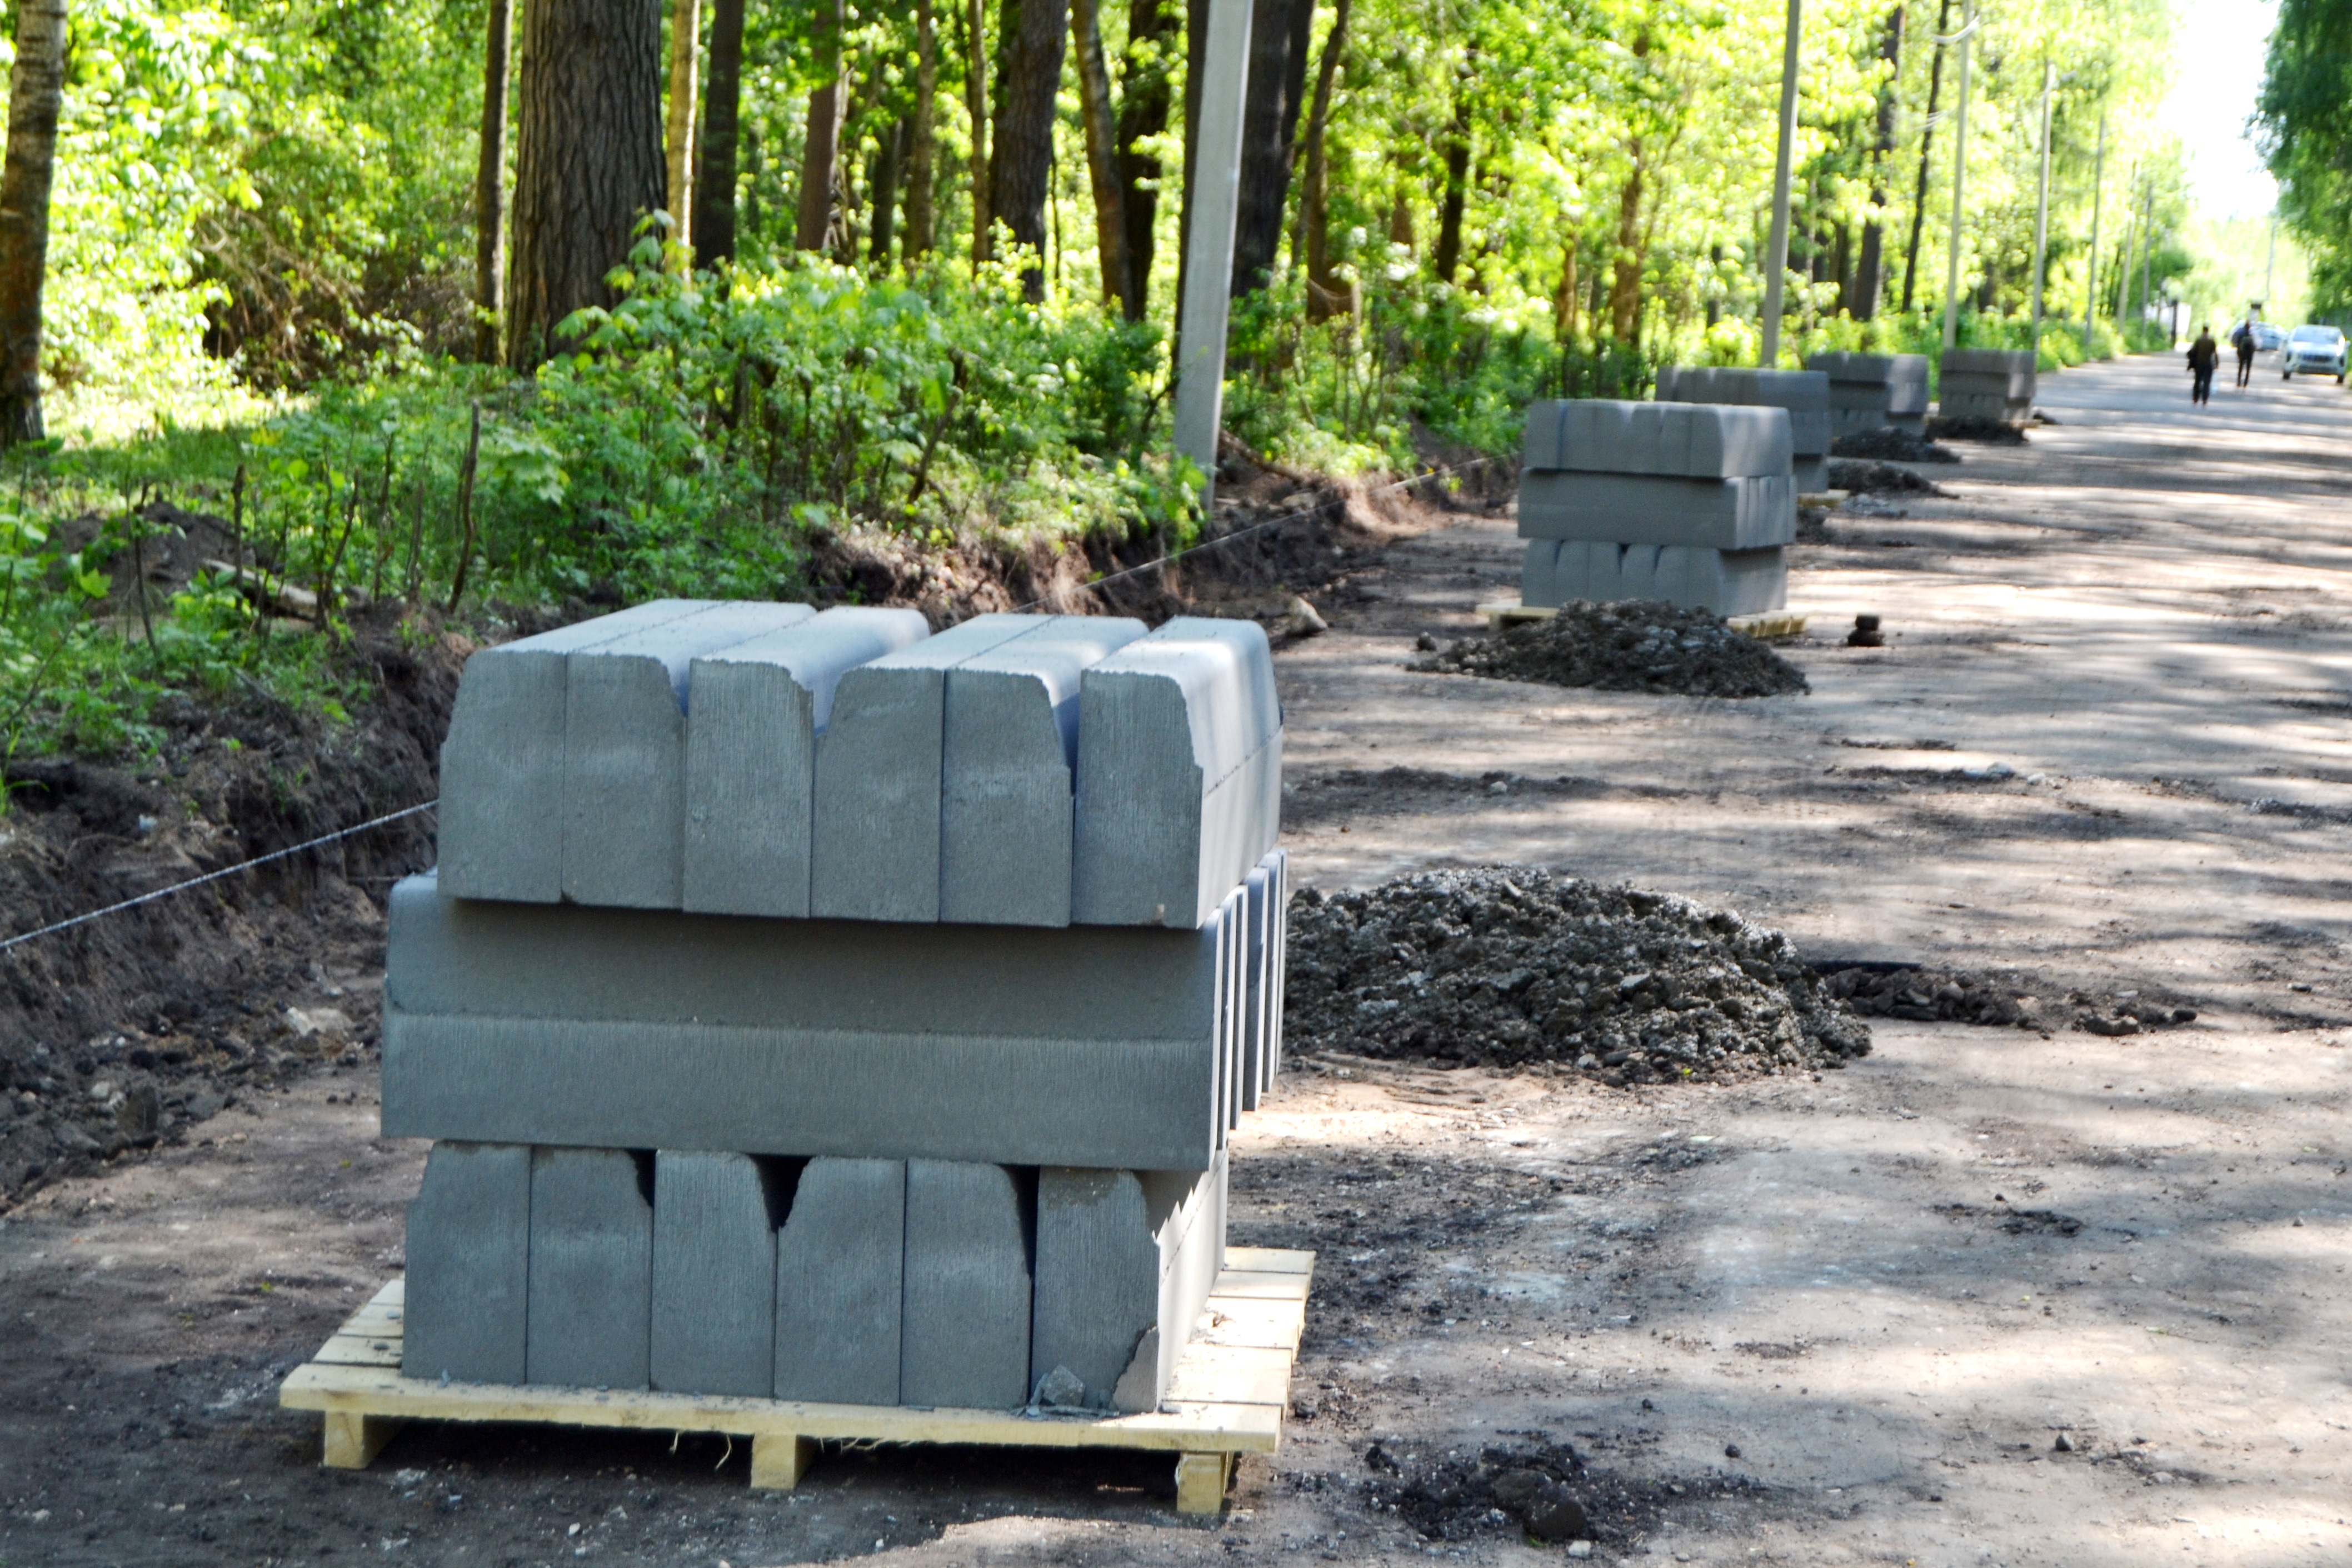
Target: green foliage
{"points": [[2305, 121]]}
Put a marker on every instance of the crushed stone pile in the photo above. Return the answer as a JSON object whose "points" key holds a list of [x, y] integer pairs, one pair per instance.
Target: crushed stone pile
{"points": [[2013, 1000], [1509, 966], [1880, 478], [1890, 445], [1976, 428], [1635, 645]]}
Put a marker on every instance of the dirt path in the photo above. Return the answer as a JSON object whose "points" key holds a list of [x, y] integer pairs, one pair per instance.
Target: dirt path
{"points": [[1891, 1290]]}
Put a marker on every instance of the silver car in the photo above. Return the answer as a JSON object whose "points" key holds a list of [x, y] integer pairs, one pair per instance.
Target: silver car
{"points": [[2313, 350]]}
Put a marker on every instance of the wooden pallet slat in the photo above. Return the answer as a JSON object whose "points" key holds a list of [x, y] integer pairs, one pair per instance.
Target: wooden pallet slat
{"points": [[1227, 1395]]}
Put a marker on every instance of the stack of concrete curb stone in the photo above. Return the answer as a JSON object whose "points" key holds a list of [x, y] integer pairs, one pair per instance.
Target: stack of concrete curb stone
{"points": [[1686, 502], [1805, 394], [1873, 392], [1987, 383], [808, 1007]]}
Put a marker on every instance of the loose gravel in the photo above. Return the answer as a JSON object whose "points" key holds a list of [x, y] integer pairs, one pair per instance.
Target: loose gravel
{"points": [[1868, 477], [1512, 966], [1635, 645], [1888, 444]]}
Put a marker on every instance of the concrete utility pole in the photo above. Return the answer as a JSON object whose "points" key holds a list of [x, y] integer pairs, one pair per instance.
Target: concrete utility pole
{"points": [[2041, 207], [1776, 260], [1209, 262], [2098, 198], [1959, 182]]}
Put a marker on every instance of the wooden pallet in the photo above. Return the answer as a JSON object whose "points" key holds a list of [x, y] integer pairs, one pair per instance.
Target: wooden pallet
{"points": [[1767, 626], [1229, 1393]]}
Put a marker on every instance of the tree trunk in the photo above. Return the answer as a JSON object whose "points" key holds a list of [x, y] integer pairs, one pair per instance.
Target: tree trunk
{"points": [[1401, 220], [1563, 304], [35, 96], [1457, 181], [1281, 32], [1196, 61], [714, 183], [975, 92], [1869, 281], [922, 139], [1144, 103], [685, 38], [1327, 294], [489, 186], [888, 159], [1102, 161], [821, 149], [588, 161], [1926, 144], [1625, 282], [1034, 34]]}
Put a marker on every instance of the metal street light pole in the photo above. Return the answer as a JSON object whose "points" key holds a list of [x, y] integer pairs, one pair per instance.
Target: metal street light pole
{"points": [[2042, 207], [1776, 260], [2098, 200], [1959, 182]]}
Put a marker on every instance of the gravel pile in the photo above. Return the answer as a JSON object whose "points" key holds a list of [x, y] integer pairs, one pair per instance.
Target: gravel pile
{"points": [[2013, 1000], [1880, 478], [1508, 966], [1890, 445], [1636, 646]]}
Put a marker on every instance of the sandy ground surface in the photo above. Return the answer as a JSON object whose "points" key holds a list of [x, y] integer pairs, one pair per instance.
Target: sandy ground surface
{"points": [[1891, 1290]]}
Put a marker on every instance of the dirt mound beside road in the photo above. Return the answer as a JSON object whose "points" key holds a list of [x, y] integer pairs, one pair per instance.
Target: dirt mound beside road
{"points": [[1888, 444], [1507, 966], [1635, 645]]}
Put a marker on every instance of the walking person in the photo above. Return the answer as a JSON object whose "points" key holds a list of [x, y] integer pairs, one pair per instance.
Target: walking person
{"points": [[2204, 354], [2244, 338]]}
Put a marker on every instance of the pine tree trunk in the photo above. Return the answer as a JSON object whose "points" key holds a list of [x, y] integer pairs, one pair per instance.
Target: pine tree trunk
{"points": [[1144, 102], [1327, 294], [975, 92], [685, 36], [922, 140], [1869, 280], [821, 148], [1035, 33], [714, 180], [1457, 181], [490, 184], [1102, 160], [1926, 143], [35, 97], [588, 162], [1281, 32]]}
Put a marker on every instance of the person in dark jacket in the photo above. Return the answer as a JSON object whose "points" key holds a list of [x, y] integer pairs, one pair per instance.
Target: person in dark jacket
{"points": [[2203, 355], [2244, 338]]}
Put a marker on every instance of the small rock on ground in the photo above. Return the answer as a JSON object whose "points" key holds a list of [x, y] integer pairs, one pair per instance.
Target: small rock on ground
{"points": [[1633, 646]]}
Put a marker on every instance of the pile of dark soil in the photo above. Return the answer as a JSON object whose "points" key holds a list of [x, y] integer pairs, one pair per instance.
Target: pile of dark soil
{"points": [[1890, 445], [1880, 478], [135, 1028], [2009, 999], [1991, 432], [1458, 1495], [1505, 966], [1635, 645]]}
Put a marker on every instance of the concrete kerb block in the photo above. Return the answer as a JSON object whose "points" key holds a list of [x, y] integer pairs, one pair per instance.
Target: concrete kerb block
{"points": [[1804, 394], [1748, 512], [965, 1319], [468, 1266], [1008, 760], [1258, 890], [1115, 1297], [1279, 863], [1178, 789], [625, 753], [754, 714], [713, 1326], [874, 850], [592, 1245], [1692, 440], [840, 1283], [501, 822]]}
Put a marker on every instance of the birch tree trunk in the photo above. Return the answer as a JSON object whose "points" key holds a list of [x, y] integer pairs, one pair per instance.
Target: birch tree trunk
{"points": [[36, 95], [975, 92], [684, 36]]}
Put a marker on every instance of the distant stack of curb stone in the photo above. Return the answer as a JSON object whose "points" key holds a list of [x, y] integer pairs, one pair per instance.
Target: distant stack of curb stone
{"points": [[1805, 394], [1686, 502], [808, 1007], [1873, 392], [1987, 383]]}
